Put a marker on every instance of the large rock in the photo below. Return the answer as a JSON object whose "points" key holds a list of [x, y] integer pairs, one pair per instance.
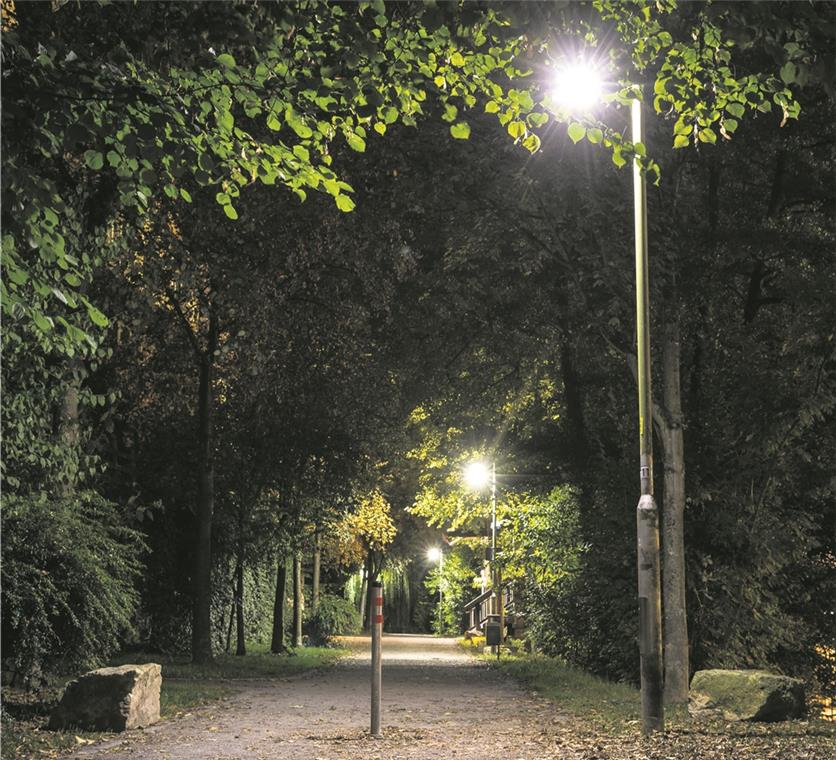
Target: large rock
{"points": [[745, 695], [111, 699]]}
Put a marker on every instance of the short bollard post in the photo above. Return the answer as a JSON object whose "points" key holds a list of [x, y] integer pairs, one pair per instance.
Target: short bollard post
{"points": [[377, 635]]}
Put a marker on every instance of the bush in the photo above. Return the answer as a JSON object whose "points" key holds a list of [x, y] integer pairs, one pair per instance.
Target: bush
{"points": [[68, 573], [335, 616]]}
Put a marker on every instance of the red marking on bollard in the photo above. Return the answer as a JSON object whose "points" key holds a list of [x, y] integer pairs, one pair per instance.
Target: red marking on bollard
{"points": [[379, 601], [378, 619]]}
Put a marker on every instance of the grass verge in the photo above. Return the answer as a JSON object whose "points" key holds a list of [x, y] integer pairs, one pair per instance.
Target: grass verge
{"points": [[608, 718], [257, 663], [608, 705]]}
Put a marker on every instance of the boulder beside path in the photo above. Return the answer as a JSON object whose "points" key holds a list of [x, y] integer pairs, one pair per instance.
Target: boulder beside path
{"points": [[111, 699], [755, 695]]}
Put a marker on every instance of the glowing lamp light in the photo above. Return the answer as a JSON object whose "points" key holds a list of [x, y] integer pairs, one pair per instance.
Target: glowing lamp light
{"points": [[434, 554], [577, 87], [477, 475]]}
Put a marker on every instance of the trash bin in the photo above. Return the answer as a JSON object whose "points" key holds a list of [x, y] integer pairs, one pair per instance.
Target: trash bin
{"points": [[493, 634]]}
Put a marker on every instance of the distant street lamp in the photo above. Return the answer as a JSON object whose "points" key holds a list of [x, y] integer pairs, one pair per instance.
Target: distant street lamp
{"points": [[577, 88], [477, 475], [436, 555]]}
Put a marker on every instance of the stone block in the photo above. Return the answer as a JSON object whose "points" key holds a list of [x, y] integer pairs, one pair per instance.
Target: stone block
{"points": [[111, 699], [756, 695]]}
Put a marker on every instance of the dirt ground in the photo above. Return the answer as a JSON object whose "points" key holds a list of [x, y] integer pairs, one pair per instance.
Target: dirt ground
{"points": [[438, 702]]}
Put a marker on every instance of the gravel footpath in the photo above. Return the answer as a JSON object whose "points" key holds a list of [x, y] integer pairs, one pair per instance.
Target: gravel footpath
{"points": [[438, 702]]}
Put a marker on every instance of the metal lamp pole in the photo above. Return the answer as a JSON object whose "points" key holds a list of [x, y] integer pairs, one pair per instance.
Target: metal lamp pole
{"points": [[647, 513], [440, 579], [499, 607]]}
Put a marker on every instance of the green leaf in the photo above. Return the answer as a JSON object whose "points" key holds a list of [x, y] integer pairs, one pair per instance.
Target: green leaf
{"points": [[273, 122], [222, 198], [681, 141], [531, 143], [457, 59], [707, 135], [93, 159], [537, 119], [230, 211], [96, 316], [380, 128], [594, 135], [736, 109], [730, 125], [225, 59], [491, 107], [302, 153], [44, 324], [390, 114], [298, 125], [577, 132], [461, 130], [355, 142], [225, 120], [344, 203], [516, 129], [185, 195], [789, 72]]}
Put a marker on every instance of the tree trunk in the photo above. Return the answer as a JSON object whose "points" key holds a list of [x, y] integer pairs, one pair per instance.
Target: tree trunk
{"points": [[317, 557], [364, 577], [298, 599], [201, 611], [229, 625], [673, 522], [277, 642], [69, 429], [367, 599], [241, 646]]}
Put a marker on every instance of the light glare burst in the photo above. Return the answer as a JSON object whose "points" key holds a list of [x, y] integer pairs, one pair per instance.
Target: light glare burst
{"points": [[577, 87]]}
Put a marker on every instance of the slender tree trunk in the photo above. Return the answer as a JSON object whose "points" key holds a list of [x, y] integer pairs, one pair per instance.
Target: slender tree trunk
{"points": [[229, 625], [367, 620], [298, 599], [317, 557], [241, 646], [364, 577], [69, 428], [673, 522], [201, 612], [277, 642]]}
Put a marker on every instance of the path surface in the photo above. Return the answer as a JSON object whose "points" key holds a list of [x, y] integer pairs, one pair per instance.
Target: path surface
{"points": [[438, 702]]}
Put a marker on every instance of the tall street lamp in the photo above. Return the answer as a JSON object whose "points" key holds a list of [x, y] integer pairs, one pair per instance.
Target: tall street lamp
{"points": [[436, 555], [577, 88], [477, 475]]}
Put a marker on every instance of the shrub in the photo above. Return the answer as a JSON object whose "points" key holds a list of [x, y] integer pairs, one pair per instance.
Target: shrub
{"points": [[335, 616], [68, 573]]}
